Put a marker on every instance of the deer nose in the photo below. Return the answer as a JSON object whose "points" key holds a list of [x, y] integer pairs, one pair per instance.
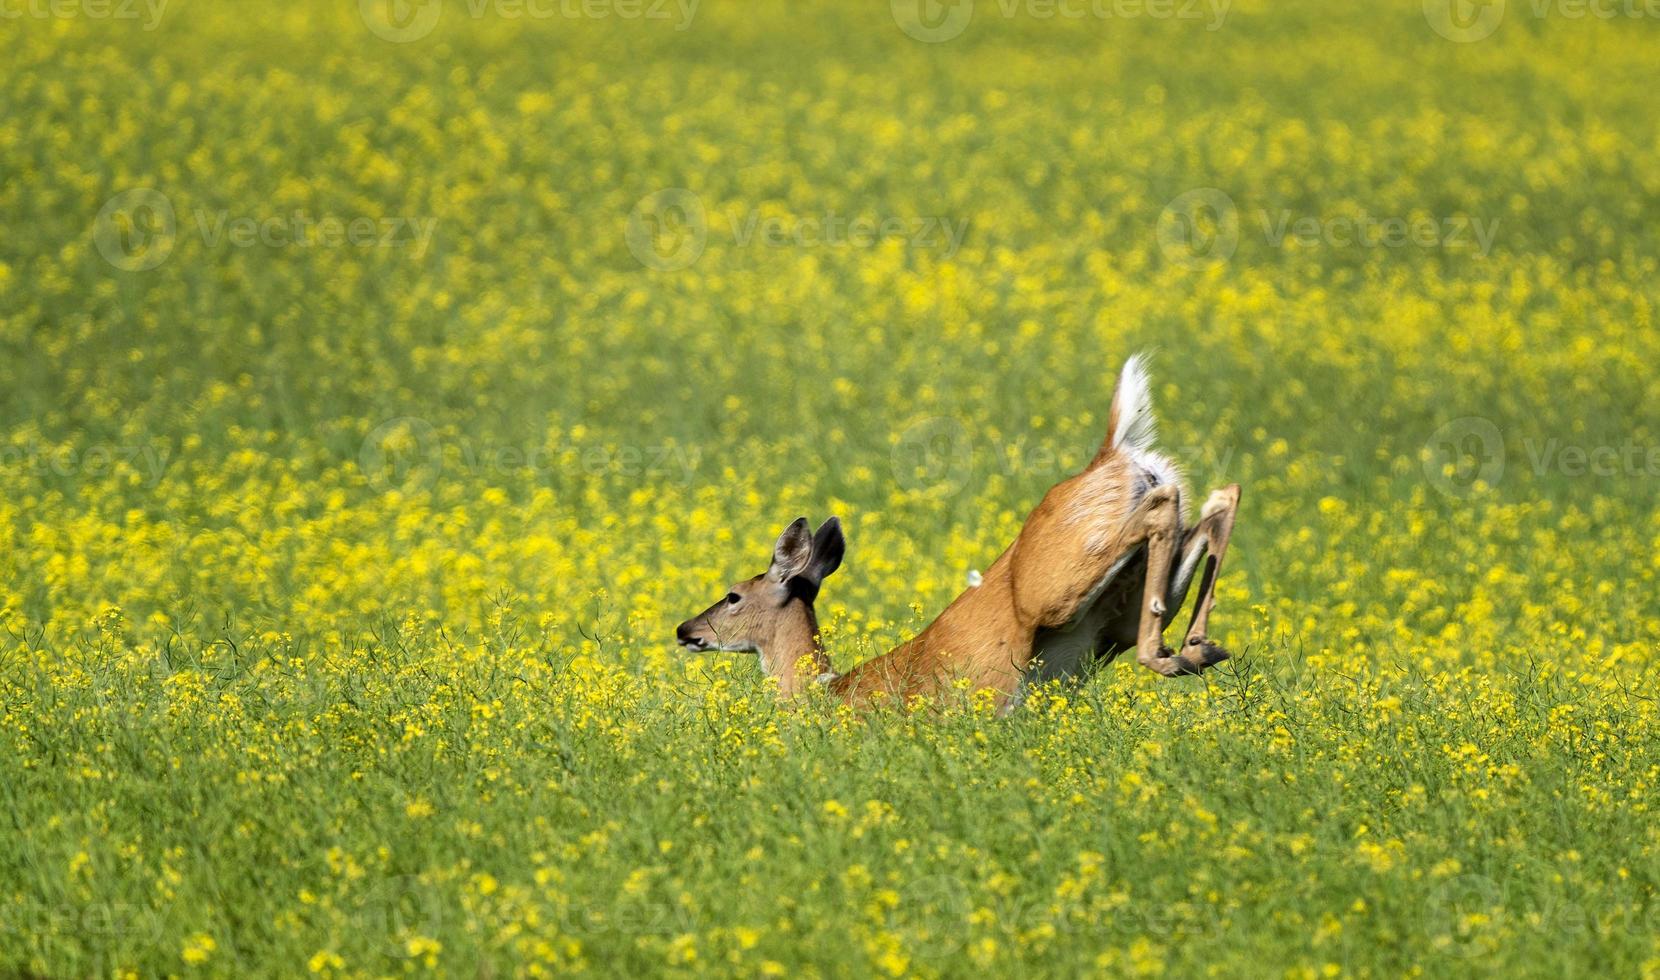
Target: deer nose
{"points": [[683, 633]]}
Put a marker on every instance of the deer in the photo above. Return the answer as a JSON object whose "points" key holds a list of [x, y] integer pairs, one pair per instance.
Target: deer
{"points": [[1100, 566]]}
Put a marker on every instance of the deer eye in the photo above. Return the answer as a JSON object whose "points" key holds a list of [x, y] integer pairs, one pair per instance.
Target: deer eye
{"points": [[732, 598]]}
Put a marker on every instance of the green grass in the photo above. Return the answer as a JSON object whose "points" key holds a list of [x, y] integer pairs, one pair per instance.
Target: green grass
{"points": [[339, 581]]}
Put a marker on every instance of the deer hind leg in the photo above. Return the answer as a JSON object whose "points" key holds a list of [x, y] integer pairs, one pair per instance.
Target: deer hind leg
{"points": [[1155, 526], [1207, 540]]}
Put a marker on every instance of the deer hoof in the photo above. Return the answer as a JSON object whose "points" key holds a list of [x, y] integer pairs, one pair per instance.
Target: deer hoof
{"points": [[1202, 653]]}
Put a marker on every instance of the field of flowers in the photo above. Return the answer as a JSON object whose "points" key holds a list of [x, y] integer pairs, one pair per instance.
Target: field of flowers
{"points": [[384, 380]]}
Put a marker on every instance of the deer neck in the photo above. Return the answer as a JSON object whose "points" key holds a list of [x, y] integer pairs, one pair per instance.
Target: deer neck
{"points": [[796, 637]]}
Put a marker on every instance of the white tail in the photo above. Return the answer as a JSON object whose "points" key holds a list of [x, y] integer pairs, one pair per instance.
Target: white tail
{"points": [[1133, 427]]}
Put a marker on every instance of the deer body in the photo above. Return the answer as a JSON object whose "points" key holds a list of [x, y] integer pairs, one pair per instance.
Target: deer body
{"points": [[1100, 566]]}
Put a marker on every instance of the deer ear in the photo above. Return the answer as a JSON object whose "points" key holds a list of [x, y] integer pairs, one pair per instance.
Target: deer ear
{"points": [[828, 548], [792, 552]]}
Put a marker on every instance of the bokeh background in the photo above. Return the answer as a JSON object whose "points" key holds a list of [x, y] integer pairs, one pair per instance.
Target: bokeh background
{"points": [[385, 379]]}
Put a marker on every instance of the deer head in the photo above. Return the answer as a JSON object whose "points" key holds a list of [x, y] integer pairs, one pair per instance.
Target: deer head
{"points": [[772, 614]]}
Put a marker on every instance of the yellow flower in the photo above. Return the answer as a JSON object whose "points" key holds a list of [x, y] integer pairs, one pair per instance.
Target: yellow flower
{"points": [[423, 948], [683, 950], [198, 948], [893, 962]]}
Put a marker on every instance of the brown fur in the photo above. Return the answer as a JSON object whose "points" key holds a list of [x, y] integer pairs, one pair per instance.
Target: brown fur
{"points": [[1062, 562]]}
